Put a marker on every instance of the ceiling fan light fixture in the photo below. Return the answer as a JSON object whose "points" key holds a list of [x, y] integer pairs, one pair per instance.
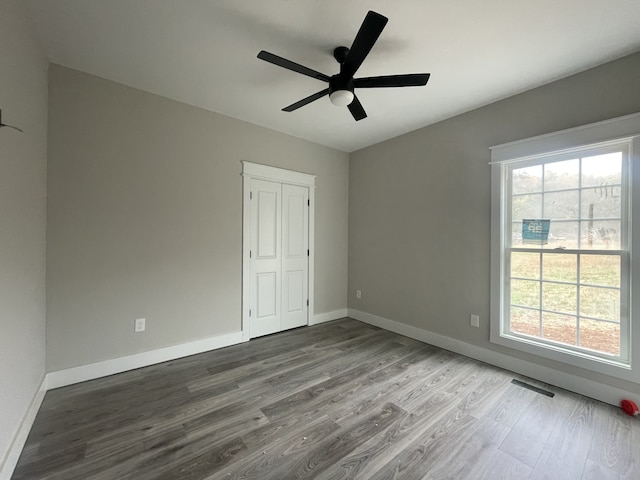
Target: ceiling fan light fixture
{"points": [[341, 98]]}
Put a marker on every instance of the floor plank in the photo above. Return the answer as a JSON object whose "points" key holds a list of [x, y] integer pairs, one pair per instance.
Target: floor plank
{"points": [[614, 442], [531, 432], [565, 455]]}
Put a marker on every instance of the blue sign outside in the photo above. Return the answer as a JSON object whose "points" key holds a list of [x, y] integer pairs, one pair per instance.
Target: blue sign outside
{"points": [[535, 231]]}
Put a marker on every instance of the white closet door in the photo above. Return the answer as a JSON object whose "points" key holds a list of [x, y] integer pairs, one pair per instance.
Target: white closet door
{"points": [[266, 262], [277, 249], [295, 256]]}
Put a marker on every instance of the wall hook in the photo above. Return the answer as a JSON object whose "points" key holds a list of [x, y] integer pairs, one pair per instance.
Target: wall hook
{"points": [[10, 126]]}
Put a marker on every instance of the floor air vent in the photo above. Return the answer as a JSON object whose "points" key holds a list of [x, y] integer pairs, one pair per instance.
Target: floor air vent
{"points": [[532, 388]]}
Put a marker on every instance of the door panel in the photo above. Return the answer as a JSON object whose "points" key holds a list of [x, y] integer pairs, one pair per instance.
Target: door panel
{"points": [[266, 295], [295, 246], [267, 203], [296, 298], [295, 258], [266, 261]]}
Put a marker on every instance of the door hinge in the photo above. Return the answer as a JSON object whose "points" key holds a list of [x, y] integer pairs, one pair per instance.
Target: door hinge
{"points": [[250, 195], [307, 252], [249, 253], [249, 312], [308, 203], [307, 302]]}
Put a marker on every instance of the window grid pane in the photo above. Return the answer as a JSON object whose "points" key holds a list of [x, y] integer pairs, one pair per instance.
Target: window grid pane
{"points": [[560, 328], [582, 198], [600, 336], [568, 298]]}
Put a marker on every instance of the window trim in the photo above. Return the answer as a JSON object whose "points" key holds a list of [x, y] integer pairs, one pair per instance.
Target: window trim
{"points": [[559, 144]]}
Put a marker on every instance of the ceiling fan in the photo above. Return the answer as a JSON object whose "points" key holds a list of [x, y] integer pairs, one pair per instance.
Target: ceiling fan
{"points": [[342, 85]]}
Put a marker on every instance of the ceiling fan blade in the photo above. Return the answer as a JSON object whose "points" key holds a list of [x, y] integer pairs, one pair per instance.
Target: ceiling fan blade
{"points": [[357, 110], [289, 65], [305, 101], [409, 80], [366, 37]]}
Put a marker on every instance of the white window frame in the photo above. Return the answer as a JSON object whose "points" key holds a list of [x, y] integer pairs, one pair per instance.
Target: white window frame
{"points": [[602, 134]]}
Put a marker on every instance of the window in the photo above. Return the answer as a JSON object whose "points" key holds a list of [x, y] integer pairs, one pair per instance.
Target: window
{"points": [[568, 287], [561, 255]]}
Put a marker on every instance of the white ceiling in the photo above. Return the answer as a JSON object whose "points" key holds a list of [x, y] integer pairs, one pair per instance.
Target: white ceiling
{"points": [[203, 53]]}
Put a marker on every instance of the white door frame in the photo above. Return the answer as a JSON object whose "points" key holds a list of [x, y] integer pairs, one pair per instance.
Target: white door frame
{"points": [[252, 170]]}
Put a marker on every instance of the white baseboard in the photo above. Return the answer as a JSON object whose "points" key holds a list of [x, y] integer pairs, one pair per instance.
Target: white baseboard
{"points": [[567, 381], [328, 316], [91, 371], [13, 455]]}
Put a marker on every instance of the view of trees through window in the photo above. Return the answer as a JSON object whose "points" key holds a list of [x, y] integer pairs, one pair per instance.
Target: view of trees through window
{"points": [[568, 289]]}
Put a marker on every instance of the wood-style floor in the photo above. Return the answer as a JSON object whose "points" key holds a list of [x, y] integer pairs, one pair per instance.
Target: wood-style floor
{"points": [[340, 400]]}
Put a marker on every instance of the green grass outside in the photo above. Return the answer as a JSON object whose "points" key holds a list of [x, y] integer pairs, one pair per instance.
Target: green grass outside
{"points": [[596, 273]]}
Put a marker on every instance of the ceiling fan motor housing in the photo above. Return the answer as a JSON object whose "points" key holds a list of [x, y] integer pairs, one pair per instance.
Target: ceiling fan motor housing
{"points": [[341, 85], [341, 81], [337, 82]]}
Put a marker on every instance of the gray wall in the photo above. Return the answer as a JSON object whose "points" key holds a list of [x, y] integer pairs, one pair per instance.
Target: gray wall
{"points": [[23, 100], [145, 219], [419, 205]]}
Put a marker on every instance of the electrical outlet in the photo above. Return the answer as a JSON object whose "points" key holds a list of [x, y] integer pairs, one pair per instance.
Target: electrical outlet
{"points": [[358, 293], [139, 325], [475, 320]]}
